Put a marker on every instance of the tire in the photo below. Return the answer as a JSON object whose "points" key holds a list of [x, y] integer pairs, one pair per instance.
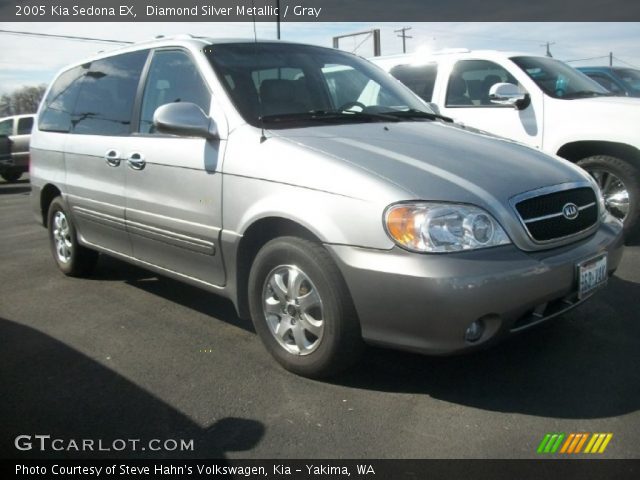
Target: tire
{"points": [[11, 177], [72, 258], [316, 338], [603, 167]]}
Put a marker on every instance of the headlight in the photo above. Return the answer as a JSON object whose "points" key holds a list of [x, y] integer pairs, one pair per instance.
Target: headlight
{"points": [[442, 227]]}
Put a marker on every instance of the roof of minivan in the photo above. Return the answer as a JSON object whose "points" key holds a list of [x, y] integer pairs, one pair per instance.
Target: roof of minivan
{"points": [[184, 40]]}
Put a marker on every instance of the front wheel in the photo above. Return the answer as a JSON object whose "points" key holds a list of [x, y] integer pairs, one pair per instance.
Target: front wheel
{"points": [[72, 258], [301, 308], [619, 182]]}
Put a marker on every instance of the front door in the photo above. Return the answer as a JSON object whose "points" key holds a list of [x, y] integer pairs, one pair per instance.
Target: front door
{"points": [[174, 186], [466, 99]]}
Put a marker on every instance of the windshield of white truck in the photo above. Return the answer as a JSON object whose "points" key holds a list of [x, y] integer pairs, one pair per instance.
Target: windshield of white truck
{"points": [[630, 77], [559, 80]]}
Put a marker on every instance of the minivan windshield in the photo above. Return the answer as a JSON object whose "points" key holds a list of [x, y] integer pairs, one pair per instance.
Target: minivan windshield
{"points": [[559, 80], [283, 85]]}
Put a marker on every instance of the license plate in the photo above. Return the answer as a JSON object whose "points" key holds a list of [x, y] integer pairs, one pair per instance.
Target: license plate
{"points": [[592, 275]]}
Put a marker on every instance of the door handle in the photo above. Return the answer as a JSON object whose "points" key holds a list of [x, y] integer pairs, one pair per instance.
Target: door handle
{"points": [[136, 161], [112, 157]]}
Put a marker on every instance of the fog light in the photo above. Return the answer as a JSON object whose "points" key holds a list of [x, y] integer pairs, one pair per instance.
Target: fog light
{"points": [[474, 331]]}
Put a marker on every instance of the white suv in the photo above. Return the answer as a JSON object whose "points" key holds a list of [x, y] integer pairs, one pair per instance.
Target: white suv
{"points": [[541, 102]]}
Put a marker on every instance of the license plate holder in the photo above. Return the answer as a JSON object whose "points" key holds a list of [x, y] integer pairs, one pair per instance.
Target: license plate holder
{"points": [[592, 275]]}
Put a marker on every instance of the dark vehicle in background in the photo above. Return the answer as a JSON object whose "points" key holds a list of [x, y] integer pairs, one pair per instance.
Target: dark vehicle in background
{"points": [[15, 135], [619, 80]]}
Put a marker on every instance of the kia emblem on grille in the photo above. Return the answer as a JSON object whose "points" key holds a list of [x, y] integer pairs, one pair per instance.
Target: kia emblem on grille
{"points": [[570, 211]]}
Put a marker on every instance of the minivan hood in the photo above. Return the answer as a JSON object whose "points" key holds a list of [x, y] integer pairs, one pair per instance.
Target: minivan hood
{"points": [[436, 161]]}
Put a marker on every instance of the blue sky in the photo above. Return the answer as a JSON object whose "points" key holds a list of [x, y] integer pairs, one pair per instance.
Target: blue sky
{"points": [[31, 61]]}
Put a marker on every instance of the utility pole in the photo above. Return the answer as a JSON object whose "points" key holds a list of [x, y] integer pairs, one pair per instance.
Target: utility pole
{"points": [[278, 17], [404, 37], [611, 59], [548, 44]]}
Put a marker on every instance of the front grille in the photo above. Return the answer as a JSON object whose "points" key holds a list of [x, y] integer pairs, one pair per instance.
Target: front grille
{"points": [[543, 215]]}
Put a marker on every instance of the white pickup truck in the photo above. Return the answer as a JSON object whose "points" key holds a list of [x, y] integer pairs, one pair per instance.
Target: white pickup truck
{"points": [[541, 102]]}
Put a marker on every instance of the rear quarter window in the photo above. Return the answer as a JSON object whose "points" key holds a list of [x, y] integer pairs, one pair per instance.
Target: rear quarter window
{"points": [[107, 95], [61, 99]]}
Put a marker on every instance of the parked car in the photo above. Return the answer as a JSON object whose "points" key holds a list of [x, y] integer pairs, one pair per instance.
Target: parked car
{"points": [[330, 208], [618, 80], [18, 129], [541, 102]]}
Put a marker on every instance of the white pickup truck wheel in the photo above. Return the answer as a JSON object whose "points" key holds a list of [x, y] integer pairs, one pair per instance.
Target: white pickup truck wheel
{"points": [[620, 185]]}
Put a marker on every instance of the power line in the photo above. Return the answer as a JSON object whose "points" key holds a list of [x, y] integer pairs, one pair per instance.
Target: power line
{"points": [[450, 33], [360, 44], [585, 59], [65, 37], [626, 63], [601, 57]]}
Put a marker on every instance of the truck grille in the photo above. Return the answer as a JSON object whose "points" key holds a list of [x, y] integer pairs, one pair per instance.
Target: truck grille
{"points": [[559, 214]]}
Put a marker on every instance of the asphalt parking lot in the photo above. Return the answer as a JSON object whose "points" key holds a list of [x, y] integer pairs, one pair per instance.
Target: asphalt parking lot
{"points": [[127, 354]]}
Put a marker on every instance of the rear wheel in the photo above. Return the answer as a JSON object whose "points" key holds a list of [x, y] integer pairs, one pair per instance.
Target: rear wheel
{"points": [[72, 258], [301, 308], [11, 176], [619, 181]]}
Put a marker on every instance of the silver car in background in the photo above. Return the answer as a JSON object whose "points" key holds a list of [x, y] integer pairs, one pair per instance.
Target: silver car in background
{"points": [[318, 194]]}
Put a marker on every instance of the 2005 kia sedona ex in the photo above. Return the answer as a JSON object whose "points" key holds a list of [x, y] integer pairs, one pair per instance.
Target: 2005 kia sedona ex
{"points": [[325, 199]]}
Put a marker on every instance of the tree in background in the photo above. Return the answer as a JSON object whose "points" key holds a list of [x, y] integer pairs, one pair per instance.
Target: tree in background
{"points": [[23, 100]]}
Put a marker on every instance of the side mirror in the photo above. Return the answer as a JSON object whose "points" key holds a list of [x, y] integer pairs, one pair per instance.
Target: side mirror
{"points": [[434, 107], [508, 94], [184, 119]]}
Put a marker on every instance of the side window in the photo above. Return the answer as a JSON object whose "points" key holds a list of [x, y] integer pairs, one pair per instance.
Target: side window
{"points": [[420, 79], [6, 127], [605, 81], [25, 125], [471, 80], [58, 106], [106, 98], [173, 77]]}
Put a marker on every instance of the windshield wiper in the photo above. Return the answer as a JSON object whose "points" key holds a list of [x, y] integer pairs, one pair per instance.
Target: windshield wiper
{"points": [[327, 115], [414, 113], [586, 94]]}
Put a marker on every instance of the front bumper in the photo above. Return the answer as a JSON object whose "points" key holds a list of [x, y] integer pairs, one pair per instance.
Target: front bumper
{"points": [[425, 302]]}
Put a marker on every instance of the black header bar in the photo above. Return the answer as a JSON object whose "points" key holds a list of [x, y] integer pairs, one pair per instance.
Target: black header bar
{"points": [[318, 10]]}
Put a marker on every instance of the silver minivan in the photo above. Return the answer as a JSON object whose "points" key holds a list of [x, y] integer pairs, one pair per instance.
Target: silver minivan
{"points": [[325, 199]]}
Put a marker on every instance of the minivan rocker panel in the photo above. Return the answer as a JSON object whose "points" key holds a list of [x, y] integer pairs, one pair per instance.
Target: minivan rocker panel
{"points": [[350, 215]]}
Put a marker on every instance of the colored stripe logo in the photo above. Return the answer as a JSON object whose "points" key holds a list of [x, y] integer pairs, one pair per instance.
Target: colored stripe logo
{"points": [[574, 443]]}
